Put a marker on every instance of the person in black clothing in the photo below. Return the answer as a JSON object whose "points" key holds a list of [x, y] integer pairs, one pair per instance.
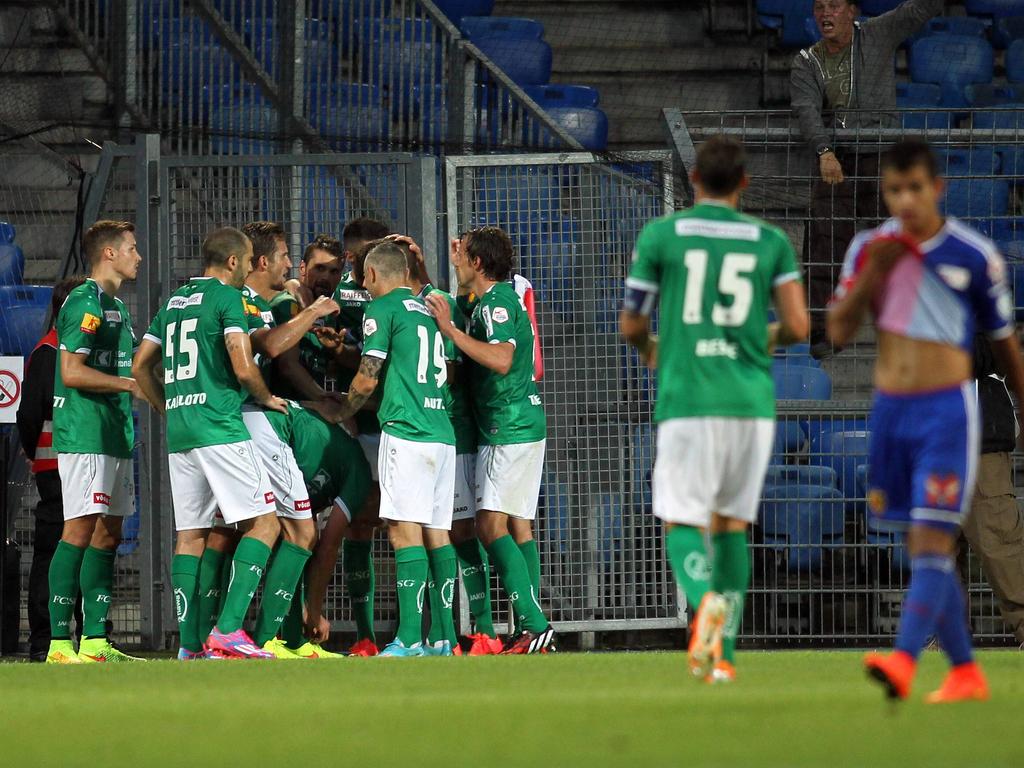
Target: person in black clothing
{"points": [[995, 526], [35, 430]]}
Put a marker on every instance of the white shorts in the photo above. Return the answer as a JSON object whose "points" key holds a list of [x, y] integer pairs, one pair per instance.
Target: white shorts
{"points": [[229, 477], [709, 464], [285, 477], [96, 484], [464, 507], [508, 478], [417, 482], [370, 443]]}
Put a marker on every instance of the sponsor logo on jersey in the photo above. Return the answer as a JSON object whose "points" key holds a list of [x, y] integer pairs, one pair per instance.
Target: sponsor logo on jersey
{"points": [[303, 505], [104, 358], [433, 403], [499, 315], [90, 323], [112, 316], [369, 326], [353, 296], [414, 305], [268, 317], [101, 498], [180, 302], [955, 277], [178, 401], [535, 400], [268, 497], [720, 230], [942, 490], [252, 309], [715, 348]]}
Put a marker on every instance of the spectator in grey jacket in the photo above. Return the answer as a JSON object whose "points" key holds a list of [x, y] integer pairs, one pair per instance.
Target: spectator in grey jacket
{"points": [[851, 68]]}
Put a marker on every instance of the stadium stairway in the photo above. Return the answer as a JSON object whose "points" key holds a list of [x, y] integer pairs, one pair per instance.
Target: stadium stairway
{"points": [[45, 81]]}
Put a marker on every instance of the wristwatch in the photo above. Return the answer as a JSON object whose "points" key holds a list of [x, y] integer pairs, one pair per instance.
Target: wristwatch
{"points": [[824, 150]]}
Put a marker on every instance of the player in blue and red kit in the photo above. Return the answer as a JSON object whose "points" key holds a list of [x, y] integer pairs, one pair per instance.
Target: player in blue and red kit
{"points": [[930, 284]]}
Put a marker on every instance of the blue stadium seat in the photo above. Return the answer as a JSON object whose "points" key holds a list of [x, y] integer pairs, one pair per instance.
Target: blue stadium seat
{"points": [[968, 162], [1005, 31], [1015, 62], [589, 126], [555, 502], [797, 354], [25, 295], [375, 29], [508, 27], [193, 67], [247, 126], [789, 439], [526, 62], [517, 195], [800, 382], [21, 327], [995, 8], [956, 25], [323, 206], [455, 10], [921, 96], [12, 260], [556, 95], [1008, 116], [803, 520], [844, 452], [797, 474], [952, 62], [788, 18], [976, 198], [350, 116], [991, 95], [171, 30], [819, 429], [887, 538], [878, 7]]}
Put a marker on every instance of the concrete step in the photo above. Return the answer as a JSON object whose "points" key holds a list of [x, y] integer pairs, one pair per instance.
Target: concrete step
{"points": [[35, 59], [42, 271]]}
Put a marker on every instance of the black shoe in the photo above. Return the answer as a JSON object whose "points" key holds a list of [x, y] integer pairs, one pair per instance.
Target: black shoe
{"points": [[527, 642]]}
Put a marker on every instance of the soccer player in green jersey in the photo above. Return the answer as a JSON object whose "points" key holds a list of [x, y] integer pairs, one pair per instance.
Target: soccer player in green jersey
{"points": [[511, 426], [94, 439], [300, 373], [716, 272], [417, 450], [200, 342]]}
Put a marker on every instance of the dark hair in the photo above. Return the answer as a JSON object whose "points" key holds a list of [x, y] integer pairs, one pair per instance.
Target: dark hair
{"points": [[910, 153], [264, 236], [388, 257], [362, 230], [102, 234], [359, 258], [221, 244], [324, 243], [721, 165], [61, 291], [492, 246]]}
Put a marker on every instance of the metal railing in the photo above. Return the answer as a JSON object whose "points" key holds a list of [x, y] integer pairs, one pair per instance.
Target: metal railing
{"points": [[824, 573], [258, 77]]}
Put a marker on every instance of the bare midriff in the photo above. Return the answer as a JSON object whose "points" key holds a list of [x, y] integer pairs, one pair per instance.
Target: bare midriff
{"points": [[908, 366]]}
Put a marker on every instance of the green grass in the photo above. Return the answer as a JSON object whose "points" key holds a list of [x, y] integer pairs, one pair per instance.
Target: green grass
{"points": [[793, 709]]}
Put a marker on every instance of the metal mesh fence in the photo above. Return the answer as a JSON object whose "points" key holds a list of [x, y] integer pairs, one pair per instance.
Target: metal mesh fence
{"points": [[573, 221]]}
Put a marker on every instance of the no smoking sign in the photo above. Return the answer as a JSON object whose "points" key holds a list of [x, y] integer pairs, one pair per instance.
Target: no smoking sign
{"points": [[12, 371]]}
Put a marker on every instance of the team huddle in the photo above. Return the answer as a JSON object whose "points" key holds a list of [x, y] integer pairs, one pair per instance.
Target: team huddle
{"points": [[434, 428]]}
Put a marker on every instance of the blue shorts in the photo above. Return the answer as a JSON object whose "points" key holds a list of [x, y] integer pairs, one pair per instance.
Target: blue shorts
{"points": [[923, 456]]}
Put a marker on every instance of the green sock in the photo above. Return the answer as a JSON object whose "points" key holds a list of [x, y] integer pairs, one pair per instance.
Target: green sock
{"points": [[730, 578], [225, 582], [283, 578], [246, 571], [515, 578], [532, 557], [97, 583], [476, 575], [185, 571], [208, 601], [357, 566], [292, 630], [65, 567], [411, 576], [688, 557], [443, 567]]}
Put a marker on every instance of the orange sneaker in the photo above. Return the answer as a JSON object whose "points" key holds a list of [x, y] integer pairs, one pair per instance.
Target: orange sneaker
{"points": [[724, 672], [895, 671], [365, 647], [706, 635], [964, 683], [485, 645]]}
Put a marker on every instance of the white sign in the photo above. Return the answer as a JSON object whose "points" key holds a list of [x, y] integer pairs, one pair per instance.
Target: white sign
{"points": [[12, 371]]}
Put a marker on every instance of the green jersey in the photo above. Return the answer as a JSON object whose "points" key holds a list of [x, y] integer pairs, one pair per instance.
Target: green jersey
{"points": [[312, 355], [508, 407], [92, 323], [398, 327], [353, 301], [259, 315], [203, 396], [715, 270], [461, 407], [332, 463]]}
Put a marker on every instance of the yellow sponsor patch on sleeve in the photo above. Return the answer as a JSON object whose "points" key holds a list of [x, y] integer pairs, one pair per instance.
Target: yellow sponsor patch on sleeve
{"points": [[90, 323]]}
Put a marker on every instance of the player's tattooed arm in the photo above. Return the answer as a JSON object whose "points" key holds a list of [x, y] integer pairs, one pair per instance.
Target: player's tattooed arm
{"points": [[248, 373], [363, 385]]}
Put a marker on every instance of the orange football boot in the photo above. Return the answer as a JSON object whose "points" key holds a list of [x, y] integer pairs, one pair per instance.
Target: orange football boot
{"points": [[895, 671], [706, 635], [963, 683], [365, 647]]}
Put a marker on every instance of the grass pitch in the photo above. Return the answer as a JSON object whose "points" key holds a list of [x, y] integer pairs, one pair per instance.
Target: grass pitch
{"points": [[621, 709]]}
